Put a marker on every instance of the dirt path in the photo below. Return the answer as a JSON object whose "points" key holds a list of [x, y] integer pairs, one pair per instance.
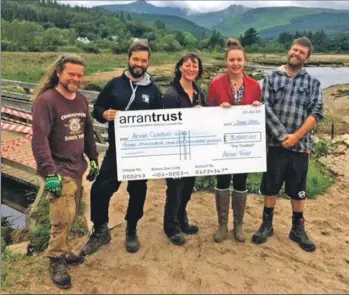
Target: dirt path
{"points": [[202, 266]]}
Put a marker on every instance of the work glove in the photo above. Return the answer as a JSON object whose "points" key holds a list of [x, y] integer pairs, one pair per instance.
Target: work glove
{"points": [[94, 169], [53, 184]]}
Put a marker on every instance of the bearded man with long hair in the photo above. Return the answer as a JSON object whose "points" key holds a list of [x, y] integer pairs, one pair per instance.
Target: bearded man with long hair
{"points": [[62, 134]]}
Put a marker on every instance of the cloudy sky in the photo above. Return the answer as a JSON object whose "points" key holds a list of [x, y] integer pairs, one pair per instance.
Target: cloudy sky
{"points": [[206, 6]]}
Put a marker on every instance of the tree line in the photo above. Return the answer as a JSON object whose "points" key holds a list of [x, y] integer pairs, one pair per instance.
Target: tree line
{"points": [[321, 41], [46, 25]]}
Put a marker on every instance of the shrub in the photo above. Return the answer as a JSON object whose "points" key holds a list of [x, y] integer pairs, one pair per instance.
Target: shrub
{"points": [[7, 45], [69, 49], [51, 48], [205, 183], [318, 181], [121, 46], [90, 48], [320, 149]]}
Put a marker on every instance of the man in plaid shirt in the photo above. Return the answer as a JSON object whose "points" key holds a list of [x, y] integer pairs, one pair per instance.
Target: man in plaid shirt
{"points": [[294, 104]]}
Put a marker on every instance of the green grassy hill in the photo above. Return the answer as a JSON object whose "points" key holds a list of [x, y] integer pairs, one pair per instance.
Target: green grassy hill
{"points": [[173, 23], [211, 19], [330, 23], [141, 6], [265, 18]]}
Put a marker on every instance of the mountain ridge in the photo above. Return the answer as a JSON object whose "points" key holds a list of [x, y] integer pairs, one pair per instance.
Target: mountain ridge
{"points": [[236, 19]]}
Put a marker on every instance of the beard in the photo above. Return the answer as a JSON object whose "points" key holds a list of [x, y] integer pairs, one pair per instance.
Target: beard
{"points": [[295, 64], [70, 87], [136, 72]]}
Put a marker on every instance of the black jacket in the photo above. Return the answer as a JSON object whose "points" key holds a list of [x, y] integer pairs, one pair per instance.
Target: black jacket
{"points": [[116, 95], [176, 97]]}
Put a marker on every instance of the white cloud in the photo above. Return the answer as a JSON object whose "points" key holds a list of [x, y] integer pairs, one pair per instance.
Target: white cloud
{"points": [[207, 6]]}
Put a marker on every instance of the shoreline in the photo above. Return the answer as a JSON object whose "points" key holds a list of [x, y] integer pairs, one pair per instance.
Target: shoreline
{"points": [[318, 60], [309, 64]]}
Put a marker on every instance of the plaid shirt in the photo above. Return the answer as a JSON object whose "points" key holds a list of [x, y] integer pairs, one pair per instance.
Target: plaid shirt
{"points": [[288, 103]]}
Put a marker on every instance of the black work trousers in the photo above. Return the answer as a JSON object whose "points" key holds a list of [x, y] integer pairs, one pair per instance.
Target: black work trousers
{"points": [[106, 184], [178, 194]]}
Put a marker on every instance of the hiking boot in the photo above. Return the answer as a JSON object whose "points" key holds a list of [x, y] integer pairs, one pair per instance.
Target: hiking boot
{"points": [[100, 236], [177, 239], [58, 272], [132, 243], [72, 259], [189, 229], [298, 235], [265, 230]]}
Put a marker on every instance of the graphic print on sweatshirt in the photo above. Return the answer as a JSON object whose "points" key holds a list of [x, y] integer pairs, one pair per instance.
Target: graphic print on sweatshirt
{"points": [[145, 98], [75, 126]]}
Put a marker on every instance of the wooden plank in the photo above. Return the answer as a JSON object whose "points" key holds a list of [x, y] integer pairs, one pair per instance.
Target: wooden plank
{"points": [[14, 205], [19, 105], [99, 137], [16, 95], [91, 95], [101, 148], [18, 166], [19, 175], [18, 83]]}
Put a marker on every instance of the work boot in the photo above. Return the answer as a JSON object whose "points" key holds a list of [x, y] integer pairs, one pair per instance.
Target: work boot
{"points": [[100, 236], [58, 272], [222, 206], [132, 243], [238, 203], [265, 230], [177, 239], [189, 229], [299, 235], [72, 259]]}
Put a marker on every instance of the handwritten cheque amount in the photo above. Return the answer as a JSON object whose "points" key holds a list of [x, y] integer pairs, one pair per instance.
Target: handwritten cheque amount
{"points": [[186, 142]]}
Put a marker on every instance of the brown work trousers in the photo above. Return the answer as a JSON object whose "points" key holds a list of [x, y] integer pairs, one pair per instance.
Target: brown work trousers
{"points": [[63, 211]]}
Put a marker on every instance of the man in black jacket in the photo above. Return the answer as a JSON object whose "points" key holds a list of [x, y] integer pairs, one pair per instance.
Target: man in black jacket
{"points": [[133, 90]]}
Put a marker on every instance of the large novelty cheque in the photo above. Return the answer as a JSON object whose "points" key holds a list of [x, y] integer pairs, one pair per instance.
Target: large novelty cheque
{"points": [[185, 142]]}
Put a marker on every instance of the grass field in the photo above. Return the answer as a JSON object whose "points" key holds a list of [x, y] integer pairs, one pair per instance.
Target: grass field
{"points": [[30, 66]]}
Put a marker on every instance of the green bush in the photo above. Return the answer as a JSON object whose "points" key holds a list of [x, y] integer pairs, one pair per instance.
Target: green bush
{"points": [[39, 235], [253, 182], [7, 45], [49, 48], [205, 183], [318, 181], [3, 245], [121, 46], [70, 49], [320, 149], [88, 48]]}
